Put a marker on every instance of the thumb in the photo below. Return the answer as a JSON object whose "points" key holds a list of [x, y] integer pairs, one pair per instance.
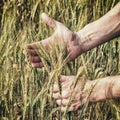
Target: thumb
{"points": [[64, 78], [49, 21]]}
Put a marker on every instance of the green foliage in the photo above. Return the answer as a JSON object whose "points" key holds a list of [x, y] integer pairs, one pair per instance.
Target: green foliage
{"points": [[26, 92]]}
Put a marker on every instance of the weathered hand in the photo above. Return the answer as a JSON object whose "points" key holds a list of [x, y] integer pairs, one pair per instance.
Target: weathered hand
{"points": [[61, 33], [101, 91], [67, 87]]}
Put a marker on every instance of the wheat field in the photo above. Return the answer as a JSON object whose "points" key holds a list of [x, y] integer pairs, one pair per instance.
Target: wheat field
{"points": [[26, 92]]}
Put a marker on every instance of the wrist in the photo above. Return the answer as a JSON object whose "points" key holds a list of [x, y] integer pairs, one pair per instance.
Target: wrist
{"points": [[79, 41], [79, 38], [106, 88], [74, 46], [90, 36], [102, 90], [115, 87]]}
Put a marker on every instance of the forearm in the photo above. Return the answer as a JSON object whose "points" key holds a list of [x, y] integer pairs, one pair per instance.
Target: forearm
{"points": [[116, 87], [101, 30], [106, 88]]}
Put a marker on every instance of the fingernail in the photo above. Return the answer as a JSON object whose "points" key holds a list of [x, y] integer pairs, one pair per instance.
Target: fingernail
{"points": [[32, 65]]}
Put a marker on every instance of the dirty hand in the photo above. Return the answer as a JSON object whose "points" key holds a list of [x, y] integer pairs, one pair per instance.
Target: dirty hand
{"points": [[101, 91], [67, 87], [61, 32]]}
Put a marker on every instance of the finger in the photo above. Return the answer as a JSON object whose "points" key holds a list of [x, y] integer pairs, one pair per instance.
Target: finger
{"points": [[37, 65], [64, 78], [63, 108], [55, 88], [49, 21], [75, 104], [66, 84], [65, 102], [32, 52], [78, 103], [62, 102], [32, 45], [66, 94], [34, 59], [73, 108], [59, 102], [64, 87], [46, 42], [57, 95]]}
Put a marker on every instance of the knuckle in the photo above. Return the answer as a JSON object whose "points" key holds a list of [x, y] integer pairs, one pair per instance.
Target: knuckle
{"points": [[65, 102], [55, 86], [59, 102], [50, 21], [64, 94], [54, 95], [63, 109]]}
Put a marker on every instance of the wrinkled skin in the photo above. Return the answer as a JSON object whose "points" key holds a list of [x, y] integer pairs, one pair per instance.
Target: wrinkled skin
{"points": [[72, 41], [61, 35], [67, 87], [101, 89]]}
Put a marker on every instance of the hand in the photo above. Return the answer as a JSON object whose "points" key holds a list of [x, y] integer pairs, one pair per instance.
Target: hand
{"points": [[60, 33], [67, 87], [100, 91]]}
